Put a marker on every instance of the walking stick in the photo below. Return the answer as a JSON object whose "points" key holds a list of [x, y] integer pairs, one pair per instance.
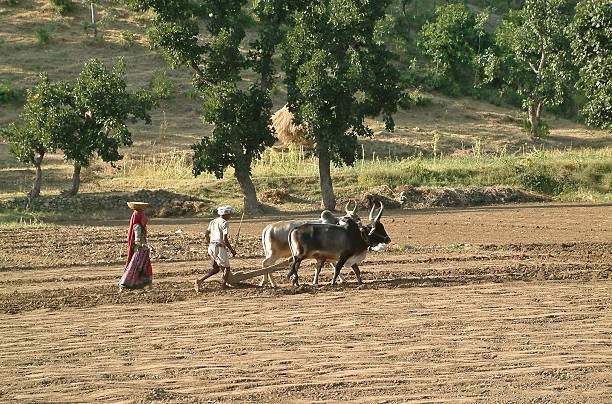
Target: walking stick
{"points": [[239, 227]]}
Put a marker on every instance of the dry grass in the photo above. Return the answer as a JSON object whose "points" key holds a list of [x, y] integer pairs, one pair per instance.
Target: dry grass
{"points": [[286, 131]]}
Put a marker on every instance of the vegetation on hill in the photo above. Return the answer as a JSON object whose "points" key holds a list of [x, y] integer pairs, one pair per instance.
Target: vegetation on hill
{"points": [[464, 71]]}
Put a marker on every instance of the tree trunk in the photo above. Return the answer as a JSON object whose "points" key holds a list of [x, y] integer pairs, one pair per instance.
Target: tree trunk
{"points": [[327, 190], [533, 119], [251, 205], [35, 192], [76, 179]]}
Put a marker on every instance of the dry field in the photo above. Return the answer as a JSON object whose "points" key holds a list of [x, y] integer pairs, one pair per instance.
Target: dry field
{"points": [[494, 304]]}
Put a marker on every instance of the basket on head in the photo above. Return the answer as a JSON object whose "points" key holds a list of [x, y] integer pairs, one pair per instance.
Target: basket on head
{"points": [[137, 205]]}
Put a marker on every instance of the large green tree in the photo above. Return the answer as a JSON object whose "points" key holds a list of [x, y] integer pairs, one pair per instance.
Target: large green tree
{"points": [[103, 106], [451, 41], [338, 72], [532, 55], [240, 113], [45, 120], [592, 48]]}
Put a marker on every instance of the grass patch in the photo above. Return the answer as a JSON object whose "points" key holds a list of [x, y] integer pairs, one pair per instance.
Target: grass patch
{"points": [[13, 218]]}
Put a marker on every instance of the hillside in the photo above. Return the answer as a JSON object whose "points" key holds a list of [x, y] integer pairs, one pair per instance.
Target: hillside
{"points": [[464, 126]]}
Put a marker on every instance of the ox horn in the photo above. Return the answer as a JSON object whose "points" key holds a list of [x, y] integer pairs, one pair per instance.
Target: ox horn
{"points": [[350, 212], [382, 207]]}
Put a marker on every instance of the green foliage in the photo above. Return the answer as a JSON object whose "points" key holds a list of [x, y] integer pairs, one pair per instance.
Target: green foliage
{"points": [[542, 131], [163, 87], [128, 37], [451, 41], [62, 6], [531, 54], [414, 98], [241, 117], [8, 92], [247, 111], [337, 74], [591, 44], [46, 121], [9, 2], [42, 36], [104, 108]]}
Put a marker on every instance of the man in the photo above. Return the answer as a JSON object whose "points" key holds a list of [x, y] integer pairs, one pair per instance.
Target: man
{"points": [[218, 244]]}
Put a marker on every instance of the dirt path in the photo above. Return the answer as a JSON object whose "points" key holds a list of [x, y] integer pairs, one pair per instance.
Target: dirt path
{"points": [[493, 304]]}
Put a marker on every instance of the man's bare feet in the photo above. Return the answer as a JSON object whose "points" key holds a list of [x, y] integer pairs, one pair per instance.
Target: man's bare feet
{"points": [[196, 286]]}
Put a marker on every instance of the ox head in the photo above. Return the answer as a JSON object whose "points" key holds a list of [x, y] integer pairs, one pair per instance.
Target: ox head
{"points": [[351, 213], [375, 230]]}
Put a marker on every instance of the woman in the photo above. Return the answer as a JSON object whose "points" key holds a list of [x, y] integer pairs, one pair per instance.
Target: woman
{"points": [[138, 272]]}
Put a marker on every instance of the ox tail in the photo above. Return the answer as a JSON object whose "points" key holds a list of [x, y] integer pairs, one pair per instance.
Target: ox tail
{"points": [[264, 239], [294, 253]]}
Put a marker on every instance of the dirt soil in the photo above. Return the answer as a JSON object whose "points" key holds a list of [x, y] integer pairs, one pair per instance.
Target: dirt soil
{"points": [[490, 304]]}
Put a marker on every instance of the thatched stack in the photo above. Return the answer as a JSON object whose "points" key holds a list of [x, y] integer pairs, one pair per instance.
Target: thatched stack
{"points": [[286, 131]]}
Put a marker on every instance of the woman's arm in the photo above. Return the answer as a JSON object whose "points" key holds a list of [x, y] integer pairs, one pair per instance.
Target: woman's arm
{"points": [[138, 237]]}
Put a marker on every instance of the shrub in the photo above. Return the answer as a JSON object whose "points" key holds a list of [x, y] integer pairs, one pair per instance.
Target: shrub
{"points": [[8, 93], [543, 128], [128, 37], [163, 87], [63, 6], [42, 35]]}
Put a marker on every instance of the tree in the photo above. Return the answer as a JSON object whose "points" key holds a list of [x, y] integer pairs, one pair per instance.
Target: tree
{"points": [[337, 73], [102, 107], [592, 48], [451, 40], [46, 119], [241, 117], [532, 55]]}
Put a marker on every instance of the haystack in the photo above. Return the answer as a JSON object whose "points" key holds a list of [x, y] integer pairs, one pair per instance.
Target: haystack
{"points": [[286, 131]]}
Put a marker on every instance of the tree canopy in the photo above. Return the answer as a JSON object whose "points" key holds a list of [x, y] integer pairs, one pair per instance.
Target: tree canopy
{"points": [[102, 107], [46, 120], [592, 48], [532, 55]]}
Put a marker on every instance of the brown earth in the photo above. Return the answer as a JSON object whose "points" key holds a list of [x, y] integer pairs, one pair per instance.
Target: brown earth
{"points": [[490, 304]]}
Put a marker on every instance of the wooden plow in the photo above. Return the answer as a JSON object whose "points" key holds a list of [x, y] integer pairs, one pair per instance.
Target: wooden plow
{"points": [[236, 277]]}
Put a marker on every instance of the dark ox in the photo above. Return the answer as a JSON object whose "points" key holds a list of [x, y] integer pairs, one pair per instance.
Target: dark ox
{"points": [[275, 240], [346, 244]]}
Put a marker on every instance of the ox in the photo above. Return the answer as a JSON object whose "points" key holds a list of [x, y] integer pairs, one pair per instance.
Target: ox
{"points": [[346, 244], [275, 239]]}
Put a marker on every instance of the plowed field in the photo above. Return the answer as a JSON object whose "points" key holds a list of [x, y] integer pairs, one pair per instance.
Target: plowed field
{"points": [[493, 304]]}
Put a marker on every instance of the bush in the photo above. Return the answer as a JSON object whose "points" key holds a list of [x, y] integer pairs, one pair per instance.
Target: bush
{"points": [[9, 2], [63, 6], [128, 37], [8, 93], [163, 87], [42, 35], [414, 98], [543, 128]]}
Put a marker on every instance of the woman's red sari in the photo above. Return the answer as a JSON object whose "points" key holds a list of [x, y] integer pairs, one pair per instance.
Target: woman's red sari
{"points": [[138, 271]]}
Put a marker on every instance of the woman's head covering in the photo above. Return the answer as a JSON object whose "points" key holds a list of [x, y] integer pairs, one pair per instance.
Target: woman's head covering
{"points": [[224, 210], [138, 217]]}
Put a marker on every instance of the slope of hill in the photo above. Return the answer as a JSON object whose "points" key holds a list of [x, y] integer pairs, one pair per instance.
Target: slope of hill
{"points": [[458, 126]]}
